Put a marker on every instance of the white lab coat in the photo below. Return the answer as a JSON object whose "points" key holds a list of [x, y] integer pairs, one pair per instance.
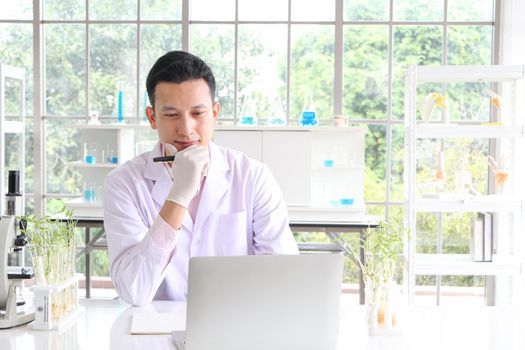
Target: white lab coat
{"points": [[241, 212]]}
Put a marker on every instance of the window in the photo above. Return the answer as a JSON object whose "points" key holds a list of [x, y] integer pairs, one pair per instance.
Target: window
{"points": [[349, 55]]}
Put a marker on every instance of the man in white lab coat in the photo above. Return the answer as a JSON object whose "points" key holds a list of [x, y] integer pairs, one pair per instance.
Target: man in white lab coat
{"points": [[209, 200]]}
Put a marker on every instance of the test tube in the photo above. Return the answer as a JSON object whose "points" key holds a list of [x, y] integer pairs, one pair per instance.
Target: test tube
{"points": [[89, 193]]}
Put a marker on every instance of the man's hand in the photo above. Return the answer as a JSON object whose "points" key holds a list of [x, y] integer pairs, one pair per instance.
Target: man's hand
{"points": [[188, 168]]}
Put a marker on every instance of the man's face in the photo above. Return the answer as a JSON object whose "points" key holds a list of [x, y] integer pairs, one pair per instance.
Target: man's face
{"points": [[184, 113]]}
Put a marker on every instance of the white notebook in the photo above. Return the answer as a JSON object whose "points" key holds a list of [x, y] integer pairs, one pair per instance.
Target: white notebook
{"points": [[157, 323]]}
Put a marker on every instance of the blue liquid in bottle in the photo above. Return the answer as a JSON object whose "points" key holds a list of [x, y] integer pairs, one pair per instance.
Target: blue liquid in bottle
{"points": [[248, 116], [248, 120], [120, 106], [309, 118], [277, 116], [308, 115], [90, 159]]}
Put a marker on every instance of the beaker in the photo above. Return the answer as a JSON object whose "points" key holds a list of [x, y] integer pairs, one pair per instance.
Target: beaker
{"points": [[111, 155], [90, 156]]}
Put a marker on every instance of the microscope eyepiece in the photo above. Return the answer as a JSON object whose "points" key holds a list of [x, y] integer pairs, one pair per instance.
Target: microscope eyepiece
{"points": [[13, 183]]}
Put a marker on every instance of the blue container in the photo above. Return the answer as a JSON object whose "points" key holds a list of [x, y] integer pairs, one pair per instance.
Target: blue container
{"points": [[248, 120], [90, 195], [346, 201], [120, 106], [309, 118], [90, 159], [276, 121], [328, 163]]}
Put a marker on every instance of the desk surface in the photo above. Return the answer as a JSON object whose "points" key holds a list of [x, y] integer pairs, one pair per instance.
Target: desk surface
{"points": [[105, 324], [363, 222]]}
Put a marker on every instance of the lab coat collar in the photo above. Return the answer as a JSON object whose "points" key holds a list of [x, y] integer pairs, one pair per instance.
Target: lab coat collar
{"points": [[153, 170], [215, 185], [159, 174]]}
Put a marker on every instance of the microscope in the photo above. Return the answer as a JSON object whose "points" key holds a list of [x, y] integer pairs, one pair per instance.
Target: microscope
{"points": [[11, 244]]}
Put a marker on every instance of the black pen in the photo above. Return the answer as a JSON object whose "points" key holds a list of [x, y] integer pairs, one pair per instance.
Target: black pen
{"points": [[164, 159]]}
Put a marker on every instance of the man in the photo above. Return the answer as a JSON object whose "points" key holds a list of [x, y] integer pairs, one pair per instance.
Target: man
{"points": [[209, 201]]}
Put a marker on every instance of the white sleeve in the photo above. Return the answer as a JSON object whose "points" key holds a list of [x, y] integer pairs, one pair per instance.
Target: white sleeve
{"points": [[137, 264], [272, 234]]}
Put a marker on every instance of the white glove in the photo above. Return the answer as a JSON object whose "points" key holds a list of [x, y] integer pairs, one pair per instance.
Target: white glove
{"points": [[188, 169]]}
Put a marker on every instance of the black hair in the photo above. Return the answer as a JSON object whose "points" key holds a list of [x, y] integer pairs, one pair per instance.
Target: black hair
{"points": [[178, 67]]}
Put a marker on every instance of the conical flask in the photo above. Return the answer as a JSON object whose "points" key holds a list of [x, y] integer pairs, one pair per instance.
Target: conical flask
{"points": [[277, 116], [309, 115], [248, 115]]}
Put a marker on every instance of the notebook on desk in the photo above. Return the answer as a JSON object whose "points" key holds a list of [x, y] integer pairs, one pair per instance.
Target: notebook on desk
{"points": [[263, 302]]}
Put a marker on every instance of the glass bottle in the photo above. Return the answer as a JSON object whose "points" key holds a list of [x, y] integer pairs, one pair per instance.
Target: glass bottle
{"points": [[440, 175], [89, 193], [248, 116], [309, 115], [89, 154], [120, 102], [277, 116]]}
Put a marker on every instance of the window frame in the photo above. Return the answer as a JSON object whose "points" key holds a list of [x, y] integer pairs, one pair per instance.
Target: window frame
{"points": [[40, 116]]}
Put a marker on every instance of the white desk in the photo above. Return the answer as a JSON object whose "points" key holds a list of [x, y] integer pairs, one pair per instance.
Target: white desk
{"points": [[106, 323]]}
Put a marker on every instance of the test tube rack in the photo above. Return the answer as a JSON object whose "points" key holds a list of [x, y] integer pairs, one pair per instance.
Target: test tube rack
{"points": [[56, 306]]}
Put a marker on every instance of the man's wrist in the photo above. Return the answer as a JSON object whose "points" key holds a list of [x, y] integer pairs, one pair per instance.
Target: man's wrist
{"points": [[173, 214]]}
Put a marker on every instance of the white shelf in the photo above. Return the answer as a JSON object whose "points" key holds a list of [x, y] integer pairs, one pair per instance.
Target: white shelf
{"points": [[13, 127], [313, 213], [452, 74], [328, 129], [338, 168], [477, 131], [461, 264], [490, 203], [506, 139], [85, 209], [79, 164], [108, 126]]}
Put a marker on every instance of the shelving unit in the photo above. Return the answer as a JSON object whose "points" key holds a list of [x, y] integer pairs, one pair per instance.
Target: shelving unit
{"points": [[506, 126], [119, 138], [490, 203], [462, 264], [319, 169], [11, 127]]}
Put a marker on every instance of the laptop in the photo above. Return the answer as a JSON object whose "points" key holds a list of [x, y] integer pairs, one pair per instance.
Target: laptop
{"points": [[263, 302]]}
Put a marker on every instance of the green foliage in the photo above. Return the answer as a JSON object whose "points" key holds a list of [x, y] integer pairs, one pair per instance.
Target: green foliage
{"points": [[52, 245], [381, 248], [45, 230]]}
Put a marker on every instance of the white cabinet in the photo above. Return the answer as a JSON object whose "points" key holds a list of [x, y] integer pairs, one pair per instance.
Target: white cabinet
{"points": [[103, 148], [320, 170], [12, 127], [502, 130]]}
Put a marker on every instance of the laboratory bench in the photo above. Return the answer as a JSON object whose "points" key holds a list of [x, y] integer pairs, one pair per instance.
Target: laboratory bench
{"points": [[105, 324]]}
